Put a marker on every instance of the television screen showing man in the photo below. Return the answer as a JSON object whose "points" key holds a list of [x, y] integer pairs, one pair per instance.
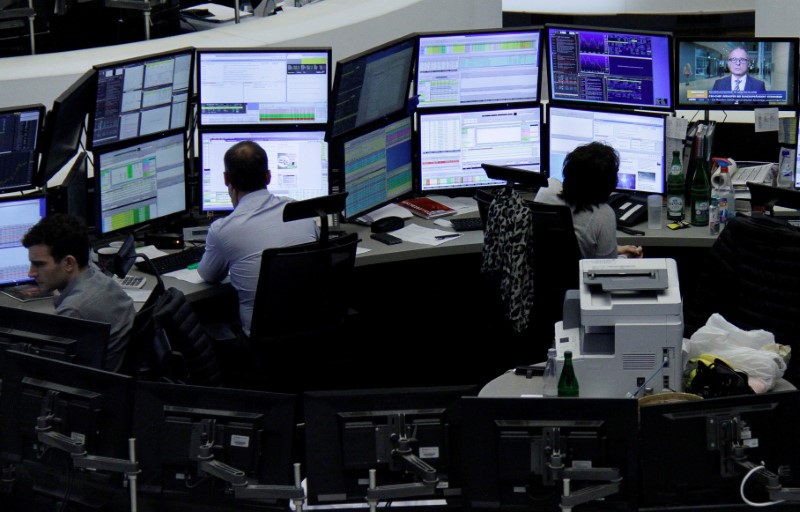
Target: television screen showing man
{"points": [[738, 85]]}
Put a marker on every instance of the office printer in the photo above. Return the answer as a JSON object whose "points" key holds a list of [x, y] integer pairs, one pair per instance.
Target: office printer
{"points": [[624, 327]]}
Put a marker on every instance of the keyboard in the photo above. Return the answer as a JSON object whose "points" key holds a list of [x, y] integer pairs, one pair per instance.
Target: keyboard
{"points": [[467, 224], [173, 261]]}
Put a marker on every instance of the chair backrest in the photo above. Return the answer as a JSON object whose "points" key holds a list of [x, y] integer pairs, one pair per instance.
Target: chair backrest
{"points": [[303, 289]]}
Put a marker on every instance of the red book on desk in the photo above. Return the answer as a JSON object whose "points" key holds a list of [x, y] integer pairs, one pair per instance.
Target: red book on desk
{"points": [[426, 207]]}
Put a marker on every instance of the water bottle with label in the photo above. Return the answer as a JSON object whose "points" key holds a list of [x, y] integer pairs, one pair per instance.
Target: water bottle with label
{"points": [[786, 171]]}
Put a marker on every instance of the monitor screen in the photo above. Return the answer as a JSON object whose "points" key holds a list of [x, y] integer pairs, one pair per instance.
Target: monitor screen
{"points": [[454, 145], [298, 163], [478, 68], [20, 128], [140, 183], [63, 129], [372, 85], [510, 444], [250, 431], [350, 432], [689, 449], [141, 96], [17, 215], [74, 340], [264, 86], [92, 408], [378, 167], [610, 67], [736, 74], [638, 138]]}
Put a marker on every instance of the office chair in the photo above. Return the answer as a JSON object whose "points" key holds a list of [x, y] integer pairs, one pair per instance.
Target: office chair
{"points": [[11, 15], [751, 276]]}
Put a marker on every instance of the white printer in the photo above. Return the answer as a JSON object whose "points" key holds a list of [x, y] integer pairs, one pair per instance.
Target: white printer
{"points": [[624, 327]]}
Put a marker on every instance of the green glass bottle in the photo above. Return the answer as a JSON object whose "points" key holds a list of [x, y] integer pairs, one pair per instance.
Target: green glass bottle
{"points": [[568, 382], [701, 194], [676, 191]]}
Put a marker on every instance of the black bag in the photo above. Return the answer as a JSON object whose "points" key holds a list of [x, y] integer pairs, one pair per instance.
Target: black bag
{"points": [[716, 379]]}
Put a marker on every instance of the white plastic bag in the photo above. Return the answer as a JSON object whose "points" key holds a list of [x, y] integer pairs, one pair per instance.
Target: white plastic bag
{"points": [[754, 352]]}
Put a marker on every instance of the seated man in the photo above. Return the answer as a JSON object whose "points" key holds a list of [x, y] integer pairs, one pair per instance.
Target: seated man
{"points": [[234, 244], [58, 249]]}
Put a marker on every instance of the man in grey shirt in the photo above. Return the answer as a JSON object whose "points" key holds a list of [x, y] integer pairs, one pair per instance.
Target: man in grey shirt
{"points": [[58, 249]]}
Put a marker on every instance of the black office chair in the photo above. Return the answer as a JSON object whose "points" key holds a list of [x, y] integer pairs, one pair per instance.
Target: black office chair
{"points": [[13, 14]]}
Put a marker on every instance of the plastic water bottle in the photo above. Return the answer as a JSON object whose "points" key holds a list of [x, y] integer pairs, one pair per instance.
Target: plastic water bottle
{"points": [[714, 213], [786, 173], [568, 382], [550, 378], [726, 199]]}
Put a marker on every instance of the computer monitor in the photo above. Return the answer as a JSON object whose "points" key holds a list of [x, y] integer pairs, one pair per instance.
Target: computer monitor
{"points": [[47, 406], [639, 138], [264, 86], [180, 425], [478, 67], [606, 66], [20, 128], [140, 183], [350, 432], [689, 449], [142, 96], [372, 85], [453, 145], [298, 164], [703, 73], [511, 446], [17, 215], [64, 125], [377, 166], [73, 340]]}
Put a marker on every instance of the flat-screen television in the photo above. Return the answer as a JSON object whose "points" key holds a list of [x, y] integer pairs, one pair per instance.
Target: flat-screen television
{"points": [[513, 448], [372, 85], [180, 425], [140, 183], [639, 138], [263, 86], [377, 166], [17, 215], [689, 450], [90, 407], [453, 145], [350, 432], [142, 96], [20, 130], [298, 164], [73, 340], [64, 125], [736, 73], [606, 66], [478, 67]]}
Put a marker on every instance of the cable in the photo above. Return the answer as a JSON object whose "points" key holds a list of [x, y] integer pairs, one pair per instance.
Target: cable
{"points": [[640, 388], [753, 503]]}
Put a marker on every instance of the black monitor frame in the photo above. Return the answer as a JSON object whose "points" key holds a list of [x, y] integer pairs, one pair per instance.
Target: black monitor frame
{"points": [[349, 81], [12, 182], [114, 67], [194, 432], [64, 125], [465, 35], [657, 104], [721, 46], [508, 443], [350, 432]]}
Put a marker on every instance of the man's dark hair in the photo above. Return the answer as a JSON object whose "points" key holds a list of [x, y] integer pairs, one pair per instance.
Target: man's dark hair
{"points": [[590, 175], [63, 234], [247, 166]]}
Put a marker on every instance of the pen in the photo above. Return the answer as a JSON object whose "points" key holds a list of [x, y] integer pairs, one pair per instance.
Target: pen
{"points": [[442, 237]]}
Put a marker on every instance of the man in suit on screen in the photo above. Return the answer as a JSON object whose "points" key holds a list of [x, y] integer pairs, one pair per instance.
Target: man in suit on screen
{"points": [[739, 80]]}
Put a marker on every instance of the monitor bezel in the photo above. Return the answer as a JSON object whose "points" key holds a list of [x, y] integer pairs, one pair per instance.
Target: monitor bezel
{"points": [[596, 109], [476, 32], [792, 102], [669, 61], [35, 180], [97, 211], [90, 142], [291, 126], [55, 127], [411, 39]]}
